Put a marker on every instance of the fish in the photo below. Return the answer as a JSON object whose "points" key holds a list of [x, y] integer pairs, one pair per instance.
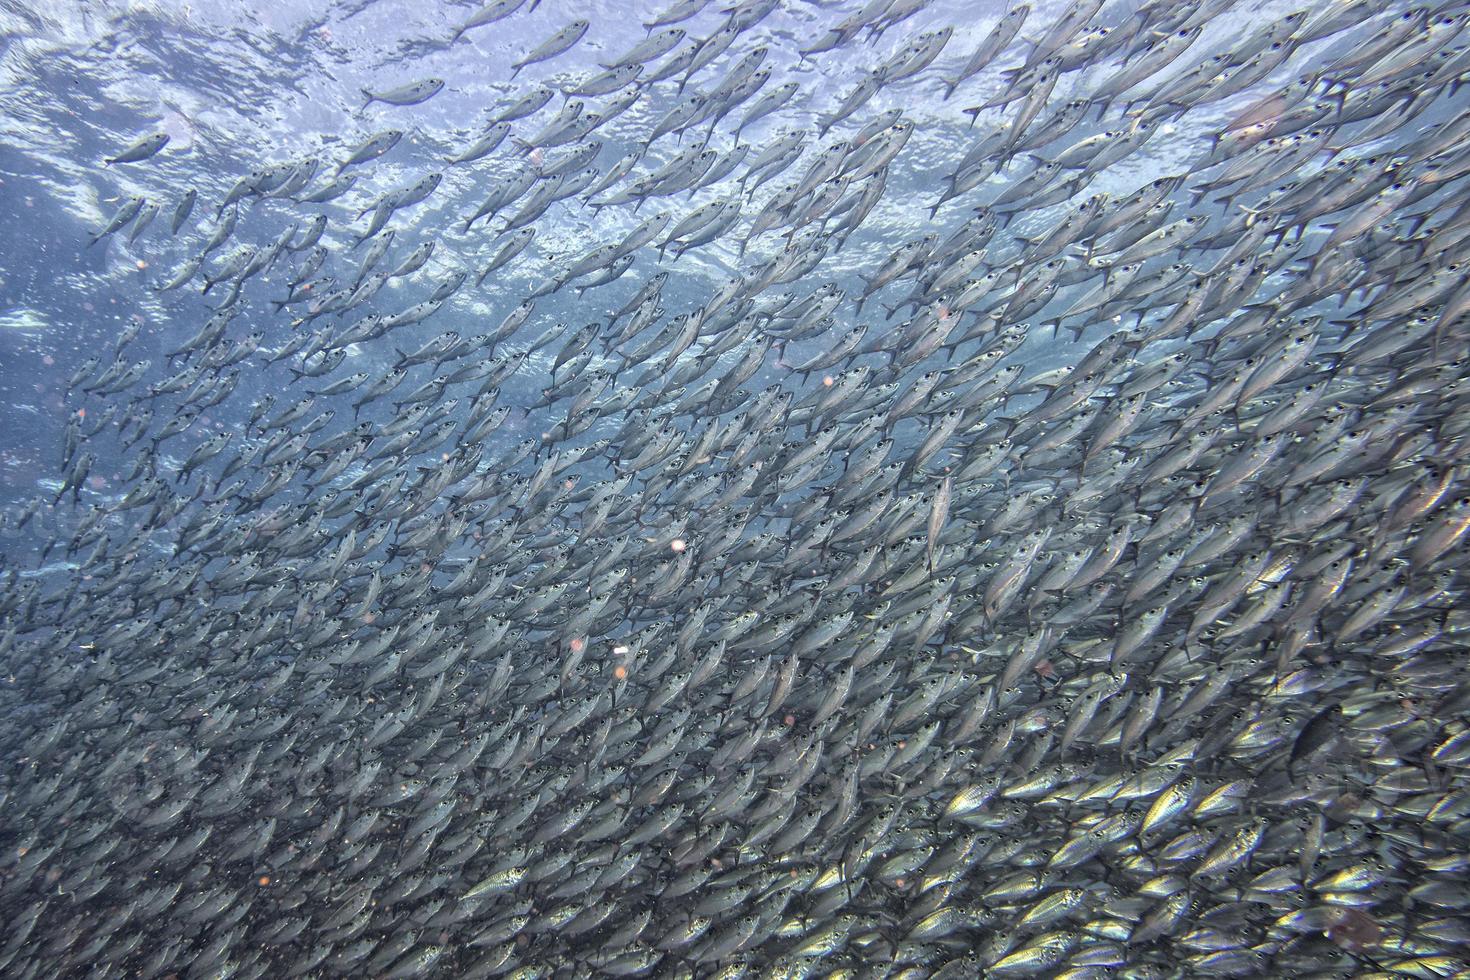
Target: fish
{"points": [[371, 148], [654, 46], [556, 44], [125, 213], [1000, 36], [145, 216], [143, 149], [659, 609], [182, 210], [484, 146], [533, 99], [489, 13], [410, 93]]}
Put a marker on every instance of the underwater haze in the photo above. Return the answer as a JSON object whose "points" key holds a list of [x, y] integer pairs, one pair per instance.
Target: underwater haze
{"points": [[800, 488]]}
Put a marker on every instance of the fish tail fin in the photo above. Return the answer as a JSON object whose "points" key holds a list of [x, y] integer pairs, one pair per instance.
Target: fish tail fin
{"points": [[1009, 422], [1347, 327], [368, 97], [1416, 222], [1252, 214]]}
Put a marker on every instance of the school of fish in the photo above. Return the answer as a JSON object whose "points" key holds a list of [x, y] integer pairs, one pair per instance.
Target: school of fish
{"points": [[1075, 589]]}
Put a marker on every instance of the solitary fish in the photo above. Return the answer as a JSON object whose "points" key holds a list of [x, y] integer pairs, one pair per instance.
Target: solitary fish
{"points": [[938, 514], [411, 94], [553, 46], [141, 150], [372, 147], [183, 210], [488, 14]]}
